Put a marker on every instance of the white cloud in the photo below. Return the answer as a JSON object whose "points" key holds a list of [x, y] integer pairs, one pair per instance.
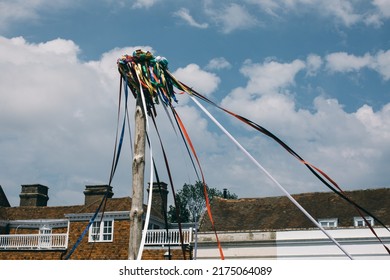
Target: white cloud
{"points": [[18, 10], [218, 63], [11, 50], [382, 64], [184, 14], [57, 117], [271, 76], [341, 10], [383, 6], [346, 12], [267, 94], [202, 81], [313, 64], [107, 67], [232, 17], [376, 124], [380, 14], [350, 147], [344, 62], [12, 11]]}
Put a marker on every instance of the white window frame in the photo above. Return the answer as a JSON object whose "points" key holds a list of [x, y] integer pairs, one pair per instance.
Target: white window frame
{"points": [[360, 222], [329, 223], [101, 231]]}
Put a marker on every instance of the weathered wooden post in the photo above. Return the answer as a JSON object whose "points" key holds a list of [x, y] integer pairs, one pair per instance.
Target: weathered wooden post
{"points": [[138, 170]]}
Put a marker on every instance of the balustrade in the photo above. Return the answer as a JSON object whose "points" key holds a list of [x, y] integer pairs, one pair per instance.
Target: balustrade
{"points": [[60, 241], [172, 237], [34, 241]]}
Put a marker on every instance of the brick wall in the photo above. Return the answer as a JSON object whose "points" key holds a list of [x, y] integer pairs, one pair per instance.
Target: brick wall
{"points": [[158, 254], [116, 250], [58, 255], [30, 255]]}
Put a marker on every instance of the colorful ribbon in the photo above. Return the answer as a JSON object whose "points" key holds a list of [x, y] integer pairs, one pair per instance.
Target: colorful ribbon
{"points": [[150, 75]]}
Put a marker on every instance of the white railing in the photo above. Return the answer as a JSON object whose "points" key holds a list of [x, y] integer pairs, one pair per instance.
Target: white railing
{"points": [[60, 241], [34, 241], [172, 237]]}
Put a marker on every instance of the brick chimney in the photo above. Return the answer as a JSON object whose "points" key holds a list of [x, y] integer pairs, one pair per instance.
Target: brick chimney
{"points": [[96, 192], [34, 195], [160, 197]]}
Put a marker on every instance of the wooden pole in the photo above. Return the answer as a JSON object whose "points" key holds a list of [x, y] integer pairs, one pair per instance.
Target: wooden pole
{"points": [[138, 170]]}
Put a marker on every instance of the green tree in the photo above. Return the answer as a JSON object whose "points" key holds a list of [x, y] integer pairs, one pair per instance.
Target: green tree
{"points": [[191, 202]]}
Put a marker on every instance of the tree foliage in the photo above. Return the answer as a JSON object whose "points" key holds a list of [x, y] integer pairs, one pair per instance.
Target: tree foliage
{"points": [[191, 202]]}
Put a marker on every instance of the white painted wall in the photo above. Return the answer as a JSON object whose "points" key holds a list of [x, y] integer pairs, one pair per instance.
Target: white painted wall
{"points": [[295, 244]]}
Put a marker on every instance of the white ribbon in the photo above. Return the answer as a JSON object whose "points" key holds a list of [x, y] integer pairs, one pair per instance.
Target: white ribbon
{"points": [[270, 176]]}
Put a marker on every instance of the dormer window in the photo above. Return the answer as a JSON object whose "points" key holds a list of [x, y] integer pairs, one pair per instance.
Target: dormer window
{"points": [[360, 222], [328, 223], [45, 229], [45, 237]]}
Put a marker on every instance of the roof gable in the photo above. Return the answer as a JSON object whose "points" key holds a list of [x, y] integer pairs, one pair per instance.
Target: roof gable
{"points": [[3, 199]]}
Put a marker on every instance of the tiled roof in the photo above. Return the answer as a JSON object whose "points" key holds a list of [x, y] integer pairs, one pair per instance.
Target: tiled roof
{"points": [[2, 213], [58, 212], [273, 213]]}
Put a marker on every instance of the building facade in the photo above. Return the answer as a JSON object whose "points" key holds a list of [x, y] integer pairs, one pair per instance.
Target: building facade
{"points": [[273, 228], [35, 231], [251, 228]]}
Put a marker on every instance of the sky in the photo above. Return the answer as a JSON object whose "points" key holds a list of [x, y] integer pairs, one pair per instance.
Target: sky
{"points": [[315, 73]]}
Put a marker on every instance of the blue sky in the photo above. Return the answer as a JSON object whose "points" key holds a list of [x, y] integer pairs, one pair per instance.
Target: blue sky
{"points": [[315, 73]]}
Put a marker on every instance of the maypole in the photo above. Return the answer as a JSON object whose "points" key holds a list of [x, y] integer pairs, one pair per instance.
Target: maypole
{"points": [[150, 82], [133, 70], [138, 170]]}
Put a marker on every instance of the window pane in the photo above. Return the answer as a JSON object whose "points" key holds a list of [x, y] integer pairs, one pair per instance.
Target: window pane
{"points": [[328, 222], [95, 231], [101, 231]]}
